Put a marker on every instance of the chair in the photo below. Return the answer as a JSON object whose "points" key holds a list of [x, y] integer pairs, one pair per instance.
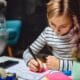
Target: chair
{"points": [[13, 29]]}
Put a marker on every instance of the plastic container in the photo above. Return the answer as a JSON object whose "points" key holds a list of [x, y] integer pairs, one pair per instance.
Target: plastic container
{"points": [[3, 33], [11, 76]]}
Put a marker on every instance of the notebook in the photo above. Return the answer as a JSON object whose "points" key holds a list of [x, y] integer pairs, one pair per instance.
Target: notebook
{"points": [[22, 71]]}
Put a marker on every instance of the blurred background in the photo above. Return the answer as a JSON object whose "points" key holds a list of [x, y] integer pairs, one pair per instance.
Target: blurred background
{"points": [[32, 14], [29, 17]]}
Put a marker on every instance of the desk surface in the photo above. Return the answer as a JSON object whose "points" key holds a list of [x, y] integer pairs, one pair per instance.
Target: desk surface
{"points": [[22, 70], [5, 58]]}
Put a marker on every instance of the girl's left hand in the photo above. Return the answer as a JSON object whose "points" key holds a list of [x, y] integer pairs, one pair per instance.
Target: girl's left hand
{"points": [[52, 62]]}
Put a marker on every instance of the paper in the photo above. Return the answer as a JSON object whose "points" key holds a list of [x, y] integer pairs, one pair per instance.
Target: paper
{"points": [[23, 72], [3, 59]]}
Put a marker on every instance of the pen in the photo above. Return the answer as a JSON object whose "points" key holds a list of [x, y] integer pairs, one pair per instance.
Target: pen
{"points": [[33, 55]]}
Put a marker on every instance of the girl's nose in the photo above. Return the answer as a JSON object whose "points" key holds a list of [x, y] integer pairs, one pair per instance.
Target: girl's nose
{"points": [[57, 30]]}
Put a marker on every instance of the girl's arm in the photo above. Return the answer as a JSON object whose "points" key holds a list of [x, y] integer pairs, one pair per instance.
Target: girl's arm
{"points": [[36, 46]]}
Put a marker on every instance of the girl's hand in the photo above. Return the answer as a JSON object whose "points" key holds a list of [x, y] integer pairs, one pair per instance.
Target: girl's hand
{"points": [[35, 65], [52, 62]]}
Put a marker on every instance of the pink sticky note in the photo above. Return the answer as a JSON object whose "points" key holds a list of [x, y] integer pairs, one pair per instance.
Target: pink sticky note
{"points": [[57, 76]]}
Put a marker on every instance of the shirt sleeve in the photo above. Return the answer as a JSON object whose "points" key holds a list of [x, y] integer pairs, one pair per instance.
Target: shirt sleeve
{"points": [[36, 46]]}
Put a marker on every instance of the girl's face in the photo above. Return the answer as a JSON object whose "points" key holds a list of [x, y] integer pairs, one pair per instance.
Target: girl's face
{"points": [[61, 25]]}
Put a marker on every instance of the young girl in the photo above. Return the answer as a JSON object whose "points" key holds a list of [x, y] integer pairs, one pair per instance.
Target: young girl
{"points": [[62, 35]]}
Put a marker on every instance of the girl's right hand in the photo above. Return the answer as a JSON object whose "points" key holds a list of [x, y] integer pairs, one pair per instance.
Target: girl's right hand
{"points": [[34, 65]]}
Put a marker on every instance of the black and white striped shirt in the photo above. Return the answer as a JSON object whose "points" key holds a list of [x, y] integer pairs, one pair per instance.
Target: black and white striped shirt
{"points": [[60, 44]]}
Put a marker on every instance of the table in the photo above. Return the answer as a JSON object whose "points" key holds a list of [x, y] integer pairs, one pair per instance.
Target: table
{"points": [[22, 71]]}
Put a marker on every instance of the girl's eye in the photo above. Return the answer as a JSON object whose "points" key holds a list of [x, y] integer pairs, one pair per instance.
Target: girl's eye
{"points": [[63, 26], [52, 24]]}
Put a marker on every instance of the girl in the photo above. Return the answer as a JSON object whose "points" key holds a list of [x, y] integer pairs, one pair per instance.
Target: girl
{"points": [[62, 35]]}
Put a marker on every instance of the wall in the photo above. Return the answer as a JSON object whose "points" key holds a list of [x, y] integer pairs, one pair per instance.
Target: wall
{"points": [[33, 16]]}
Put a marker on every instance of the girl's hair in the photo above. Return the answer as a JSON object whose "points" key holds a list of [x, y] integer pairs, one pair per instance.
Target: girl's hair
{"points": [[63, 7], [69, 8]]}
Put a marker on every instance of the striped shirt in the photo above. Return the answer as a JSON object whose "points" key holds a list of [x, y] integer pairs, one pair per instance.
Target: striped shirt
{"points": [[61, 45]]}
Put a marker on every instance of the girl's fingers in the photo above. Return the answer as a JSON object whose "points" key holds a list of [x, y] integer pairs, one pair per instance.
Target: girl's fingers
{"points": [[34, 62], [35, 65], [33, 68]]}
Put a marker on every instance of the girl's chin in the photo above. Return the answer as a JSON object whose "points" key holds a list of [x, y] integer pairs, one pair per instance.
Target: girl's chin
{"points": [[61, 34]]}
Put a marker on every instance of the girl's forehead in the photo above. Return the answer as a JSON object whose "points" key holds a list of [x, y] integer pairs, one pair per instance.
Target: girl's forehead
{"points": [[61, 19]]}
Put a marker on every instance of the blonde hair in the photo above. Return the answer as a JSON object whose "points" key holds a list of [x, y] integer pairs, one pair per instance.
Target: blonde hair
{"points": [[69, 8], [57, 8]]}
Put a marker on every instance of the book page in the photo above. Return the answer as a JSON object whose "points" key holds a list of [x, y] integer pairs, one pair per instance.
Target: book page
{"points": [[22, 71]]}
